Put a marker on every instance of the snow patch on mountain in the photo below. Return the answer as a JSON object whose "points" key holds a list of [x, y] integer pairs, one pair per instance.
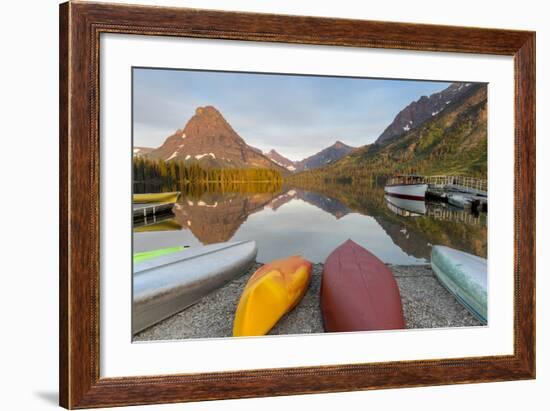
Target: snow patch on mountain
{"points": [[199, 156]]}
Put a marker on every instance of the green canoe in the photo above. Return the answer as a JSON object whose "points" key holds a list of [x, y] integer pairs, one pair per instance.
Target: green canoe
{"points": [[149, 255], [465, 276]]}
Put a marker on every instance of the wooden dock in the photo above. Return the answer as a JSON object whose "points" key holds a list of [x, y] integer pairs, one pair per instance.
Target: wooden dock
{"points": [[460, 191], [469, 185], [145, 212], [457, 216]]}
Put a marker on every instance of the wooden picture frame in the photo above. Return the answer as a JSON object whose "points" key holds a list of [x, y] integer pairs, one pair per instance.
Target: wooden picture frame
{"points": [[80, 27]]}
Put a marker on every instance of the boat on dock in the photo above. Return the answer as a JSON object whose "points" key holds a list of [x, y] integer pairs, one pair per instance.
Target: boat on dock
{"points": [[460, 201], [167, 284], [147, 198], [359, 292], [465, 276], [271, 292], [468, 202], [406, 186]]}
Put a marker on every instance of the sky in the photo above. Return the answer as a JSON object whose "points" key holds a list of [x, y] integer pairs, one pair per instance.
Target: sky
{"points": [[296, 115]]}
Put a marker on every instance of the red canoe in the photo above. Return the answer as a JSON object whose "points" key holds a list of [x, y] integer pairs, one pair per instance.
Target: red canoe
{"points": [[358, 292]]}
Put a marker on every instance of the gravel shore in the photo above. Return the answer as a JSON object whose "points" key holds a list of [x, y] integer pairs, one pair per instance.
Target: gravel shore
{"points": [[426, 304]]}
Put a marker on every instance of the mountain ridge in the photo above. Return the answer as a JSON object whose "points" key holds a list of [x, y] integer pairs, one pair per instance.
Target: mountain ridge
{"points": [[327, 155], [209, 140], [141, 151], [454, 141], [418, 112], [281, 160]]}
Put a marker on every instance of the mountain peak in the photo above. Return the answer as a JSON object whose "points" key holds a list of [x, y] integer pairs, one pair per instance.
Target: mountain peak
{"points": [[339, 144], [325, 156], [207, 110], [280, 160], [209, 139], [210, 114]]}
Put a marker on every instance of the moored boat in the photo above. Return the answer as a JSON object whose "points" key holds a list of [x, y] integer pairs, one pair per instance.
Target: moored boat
{"points": [[167, 284], [170, 197], [460, 201], [359, 292], [465, 276], [410, 187], [271, 292]]}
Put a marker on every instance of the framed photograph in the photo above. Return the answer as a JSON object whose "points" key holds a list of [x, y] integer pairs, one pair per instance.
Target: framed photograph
{"points": [[259, 205]]}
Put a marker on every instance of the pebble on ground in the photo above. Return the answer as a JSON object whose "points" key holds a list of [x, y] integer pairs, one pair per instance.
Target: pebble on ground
{"points": [[426, 304]]}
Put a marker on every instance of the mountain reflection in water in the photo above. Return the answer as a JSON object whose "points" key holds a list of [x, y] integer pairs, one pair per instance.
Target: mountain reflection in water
{"points": [[312, 222]]}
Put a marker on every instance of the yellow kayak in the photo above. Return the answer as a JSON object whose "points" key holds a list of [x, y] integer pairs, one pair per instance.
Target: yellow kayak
{"points": [[271, 292], [171, 197]]}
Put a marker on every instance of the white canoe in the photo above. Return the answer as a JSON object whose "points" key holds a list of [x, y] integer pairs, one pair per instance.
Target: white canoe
{"points": [[465, 276], [166, 285]]}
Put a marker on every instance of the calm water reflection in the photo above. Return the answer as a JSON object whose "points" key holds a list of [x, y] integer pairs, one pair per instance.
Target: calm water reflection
{"points": [[312, 223]]}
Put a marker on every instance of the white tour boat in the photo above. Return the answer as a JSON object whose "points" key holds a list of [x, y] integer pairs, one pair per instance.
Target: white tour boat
{"points": [[409, 187]]}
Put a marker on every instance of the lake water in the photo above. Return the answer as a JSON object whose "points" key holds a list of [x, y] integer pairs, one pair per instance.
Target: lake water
{"points": [[312, 222]]}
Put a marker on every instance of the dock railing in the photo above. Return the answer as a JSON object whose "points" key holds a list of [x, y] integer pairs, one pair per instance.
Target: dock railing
{"points": [[458, 182], [457, 216]]}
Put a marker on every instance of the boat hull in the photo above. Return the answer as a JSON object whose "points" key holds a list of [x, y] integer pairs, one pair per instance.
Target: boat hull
{"points": [[171, 197], [465, 276], [168, 284], [271, 292], [359, 292], [407, 191], [459, 201]]}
